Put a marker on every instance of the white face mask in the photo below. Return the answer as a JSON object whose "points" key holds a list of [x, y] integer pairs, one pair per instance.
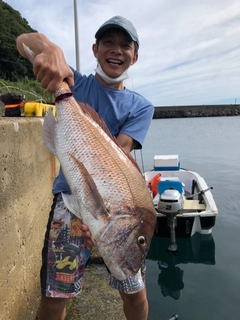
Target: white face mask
{"points": [[107, 79]]}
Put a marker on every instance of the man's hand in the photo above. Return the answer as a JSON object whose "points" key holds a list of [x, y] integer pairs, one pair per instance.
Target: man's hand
{"points": [[86, 235], [50, 69], [50, 66]]}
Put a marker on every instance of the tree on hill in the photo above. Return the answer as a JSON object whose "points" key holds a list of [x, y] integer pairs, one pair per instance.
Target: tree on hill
{"points": [[12, 66]]}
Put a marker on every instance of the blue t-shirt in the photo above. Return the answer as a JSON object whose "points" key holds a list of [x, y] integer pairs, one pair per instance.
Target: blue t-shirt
{"points": [[123, 111]]}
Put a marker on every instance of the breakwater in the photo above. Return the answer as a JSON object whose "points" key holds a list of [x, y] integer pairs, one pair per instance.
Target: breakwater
{"points": [[223, 110]]}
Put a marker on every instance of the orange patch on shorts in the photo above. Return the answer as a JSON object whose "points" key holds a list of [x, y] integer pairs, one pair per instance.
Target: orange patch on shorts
{"points": [[64, 277], [75, 228]]}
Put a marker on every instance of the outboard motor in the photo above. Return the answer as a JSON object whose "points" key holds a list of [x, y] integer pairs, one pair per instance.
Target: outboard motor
{"points": [[170, 203]]}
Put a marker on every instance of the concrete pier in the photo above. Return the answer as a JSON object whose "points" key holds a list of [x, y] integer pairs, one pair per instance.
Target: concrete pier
{"points": [[27, 170], [97, 300]]}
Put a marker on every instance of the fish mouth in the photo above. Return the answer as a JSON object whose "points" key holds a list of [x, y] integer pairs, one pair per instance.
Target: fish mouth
{"points": [[122, 273], [115, 61], [63, 96], [130, 272]]}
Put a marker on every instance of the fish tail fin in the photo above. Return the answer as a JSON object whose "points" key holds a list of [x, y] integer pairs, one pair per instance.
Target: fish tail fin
{"points": [[29, 53], [71, 203], [48, 131]]}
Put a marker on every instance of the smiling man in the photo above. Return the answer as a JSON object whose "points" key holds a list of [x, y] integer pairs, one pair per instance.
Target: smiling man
{"points": [[127, 116], [115, 53]]}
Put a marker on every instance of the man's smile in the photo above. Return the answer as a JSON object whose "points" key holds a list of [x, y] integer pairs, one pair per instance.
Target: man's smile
{"points": [[115, 61]]}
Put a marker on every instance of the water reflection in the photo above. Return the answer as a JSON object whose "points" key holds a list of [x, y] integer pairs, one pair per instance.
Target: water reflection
{"points": [[196, 249]]}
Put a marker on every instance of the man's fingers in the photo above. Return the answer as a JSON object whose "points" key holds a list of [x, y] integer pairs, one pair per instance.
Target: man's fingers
{"points": [[84, 227], [86, 235], [70, 81], [88, 243]]}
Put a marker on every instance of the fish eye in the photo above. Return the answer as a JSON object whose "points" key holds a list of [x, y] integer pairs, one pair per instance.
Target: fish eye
{"points": [[142, 241]]}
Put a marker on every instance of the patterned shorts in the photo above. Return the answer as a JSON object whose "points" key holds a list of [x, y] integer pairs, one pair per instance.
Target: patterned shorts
{"points": [[64, 257]]}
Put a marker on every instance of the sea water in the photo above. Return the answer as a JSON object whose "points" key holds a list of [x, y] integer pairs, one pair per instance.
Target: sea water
{"points": [[202, 280]]}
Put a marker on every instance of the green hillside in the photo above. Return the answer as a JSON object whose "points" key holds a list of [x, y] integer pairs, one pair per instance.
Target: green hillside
{"points": [[16, 73], [12, 66]]}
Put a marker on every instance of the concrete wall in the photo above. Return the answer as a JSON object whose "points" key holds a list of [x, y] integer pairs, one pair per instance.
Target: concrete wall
{"points": [[27, 170]]}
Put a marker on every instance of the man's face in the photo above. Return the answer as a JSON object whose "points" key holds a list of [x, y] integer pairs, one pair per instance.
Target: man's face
{"points": [[115, 53]]}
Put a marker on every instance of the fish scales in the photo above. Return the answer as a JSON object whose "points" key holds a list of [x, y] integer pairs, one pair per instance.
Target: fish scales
{"points": [[111, 170]]}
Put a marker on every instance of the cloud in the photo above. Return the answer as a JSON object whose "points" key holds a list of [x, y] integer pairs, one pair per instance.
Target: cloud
{"points": [[189, 50]]}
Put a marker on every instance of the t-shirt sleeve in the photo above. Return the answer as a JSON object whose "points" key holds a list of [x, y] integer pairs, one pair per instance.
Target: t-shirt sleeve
{"points": [[138, 122]]}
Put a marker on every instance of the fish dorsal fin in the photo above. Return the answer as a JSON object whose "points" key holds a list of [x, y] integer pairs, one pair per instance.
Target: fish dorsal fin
{"points": [[87, 109]]}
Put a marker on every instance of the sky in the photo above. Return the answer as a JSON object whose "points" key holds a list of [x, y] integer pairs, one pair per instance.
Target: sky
{"points": [[189, 49]]}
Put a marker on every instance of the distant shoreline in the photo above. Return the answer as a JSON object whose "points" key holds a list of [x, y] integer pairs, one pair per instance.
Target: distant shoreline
{"points": [[197, 111]]}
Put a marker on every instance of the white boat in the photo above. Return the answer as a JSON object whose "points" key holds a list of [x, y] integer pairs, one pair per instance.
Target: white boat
{"points": [[183, 201]]}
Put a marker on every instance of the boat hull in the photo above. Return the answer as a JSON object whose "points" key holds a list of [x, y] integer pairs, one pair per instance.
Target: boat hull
{"points": [[186, 226]]}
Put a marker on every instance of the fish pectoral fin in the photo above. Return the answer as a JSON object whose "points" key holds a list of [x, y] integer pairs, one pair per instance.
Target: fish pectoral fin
{"points": [[48, 131], [71, 203], [94, 202]]}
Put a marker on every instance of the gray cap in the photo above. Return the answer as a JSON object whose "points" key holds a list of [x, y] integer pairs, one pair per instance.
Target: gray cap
{"points": [[121, 23]]}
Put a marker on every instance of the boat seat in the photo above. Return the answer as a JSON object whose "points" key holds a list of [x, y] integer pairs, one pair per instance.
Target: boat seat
{"points": [[193, 205], [167, 184]]}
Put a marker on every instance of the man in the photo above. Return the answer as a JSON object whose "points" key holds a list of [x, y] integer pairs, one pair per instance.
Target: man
{"points": [[128, 116]]}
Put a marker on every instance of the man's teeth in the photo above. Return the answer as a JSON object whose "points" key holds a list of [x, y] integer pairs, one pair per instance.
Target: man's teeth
{"points": [[114, 61]]}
